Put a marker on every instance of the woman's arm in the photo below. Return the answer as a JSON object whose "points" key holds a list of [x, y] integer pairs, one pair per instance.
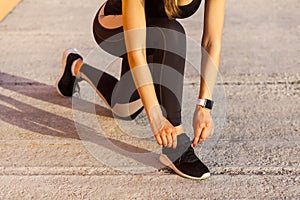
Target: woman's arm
{"points": [[134, 24], [211, 43]]}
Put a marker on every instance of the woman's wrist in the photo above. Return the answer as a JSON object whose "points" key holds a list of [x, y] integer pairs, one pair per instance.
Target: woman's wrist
{"points": [[153, 110], [149, 98], [156, 119], [201, 108], [205, 103]]}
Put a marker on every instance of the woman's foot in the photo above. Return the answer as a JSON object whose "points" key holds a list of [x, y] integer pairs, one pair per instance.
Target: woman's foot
{"points": [[65, 82], [183, 160]]}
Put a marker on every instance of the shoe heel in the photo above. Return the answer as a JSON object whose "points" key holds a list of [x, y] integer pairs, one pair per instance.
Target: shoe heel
{"points": [[65, 55], [64, 62]]}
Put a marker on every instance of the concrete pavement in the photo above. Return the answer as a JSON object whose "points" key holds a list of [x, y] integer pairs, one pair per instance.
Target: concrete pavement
{"points": [[253, 155]]}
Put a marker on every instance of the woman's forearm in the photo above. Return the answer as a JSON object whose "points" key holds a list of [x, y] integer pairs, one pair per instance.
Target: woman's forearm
{"points": [[134, 25], [209, 70], [143, 80], [211, 46]]}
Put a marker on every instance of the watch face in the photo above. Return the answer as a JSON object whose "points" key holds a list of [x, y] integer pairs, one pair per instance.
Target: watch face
{"points": [[208, 104]]}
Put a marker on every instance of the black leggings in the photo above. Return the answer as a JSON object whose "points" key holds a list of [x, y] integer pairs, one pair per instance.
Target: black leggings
{"points": [[168, 38]]}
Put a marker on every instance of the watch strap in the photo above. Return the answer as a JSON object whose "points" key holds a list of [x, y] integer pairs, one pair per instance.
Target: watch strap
{"points": [[205, 103]]}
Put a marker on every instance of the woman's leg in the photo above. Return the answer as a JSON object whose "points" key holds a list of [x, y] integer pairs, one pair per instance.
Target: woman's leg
{"points": [[115, 93], [108, 87], [170, 58], [166, 52], [166, 59]]}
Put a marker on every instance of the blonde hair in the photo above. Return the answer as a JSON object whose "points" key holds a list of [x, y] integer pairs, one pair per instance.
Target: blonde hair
{"points": [[171, 8]]}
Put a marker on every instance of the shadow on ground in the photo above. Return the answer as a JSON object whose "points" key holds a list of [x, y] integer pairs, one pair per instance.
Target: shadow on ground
{"points": [[34, 119]]}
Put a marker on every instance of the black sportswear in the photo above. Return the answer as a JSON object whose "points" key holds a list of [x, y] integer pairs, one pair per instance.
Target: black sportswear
{"points": [[153, 8], [163, 32]]}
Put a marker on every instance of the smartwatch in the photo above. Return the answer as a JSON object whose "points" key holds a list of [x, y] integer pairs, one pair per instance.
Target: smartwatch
{"points": [[205, 103]]}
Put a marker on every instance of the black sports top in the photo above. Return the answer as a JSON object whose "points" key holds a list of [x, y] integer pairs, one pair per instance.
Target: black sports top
{"points": [[153, 8]]}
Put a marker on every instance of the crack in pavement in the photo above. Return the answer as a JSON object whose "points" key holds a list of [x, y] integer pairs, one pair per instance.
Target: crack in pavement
{"points": [[186, 83], [98, 171], [21, 84], [250, 83], [262, 83]]}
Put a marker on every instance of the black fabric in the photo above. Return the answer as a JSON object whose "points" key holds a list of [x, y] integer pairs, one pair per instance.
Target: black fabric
{"points": [[153, 8], [190, 9], [66, 83], [183, 143], [168, 38], [108, 85], [163, 34], [100, 79], [113, 7], [190, 164], [184, 157]]}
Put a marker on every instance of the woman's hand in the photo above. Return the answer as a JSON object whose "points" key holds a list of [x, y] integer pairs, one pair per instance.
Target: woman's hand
{"points": [[203, 124], [164, 132], [167, 135]]}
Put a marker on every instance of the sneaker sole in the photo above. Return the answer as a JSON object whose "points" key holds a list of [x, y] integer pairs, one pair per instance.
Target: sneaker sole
{"points": [[166, 161], [64, 62]]}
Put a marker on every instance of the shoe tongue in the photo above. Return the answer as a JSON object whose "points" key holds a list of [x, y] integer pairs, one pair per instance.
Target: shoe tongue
{"points": [[183, 143], [189, 156]]}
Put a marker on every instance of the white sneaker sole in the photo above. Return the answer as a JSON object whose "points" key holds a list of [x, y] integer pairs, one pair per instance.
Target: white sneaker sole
{"points": [[166, 161], [64, 62]]}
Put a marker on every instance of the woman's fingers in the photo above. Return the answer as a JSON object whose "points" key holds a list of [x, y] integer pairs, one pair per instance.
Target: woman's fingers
{"points": [[174, 137], [202, 133], [207, 132], [197, 134], [196, 140], [167, 136], [170, 140], [158, 139], [210, 130], [164, 138]]}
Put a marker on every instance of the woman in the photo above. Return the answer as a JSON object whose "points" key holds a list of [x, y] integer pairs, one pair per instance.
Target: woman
{"points": [[152, 43]]}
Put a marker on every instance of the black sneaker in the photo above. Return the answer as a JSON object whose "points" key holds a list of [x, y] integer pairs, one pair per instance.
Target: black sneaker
{"points": [[183, 160], [65, 82]]}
